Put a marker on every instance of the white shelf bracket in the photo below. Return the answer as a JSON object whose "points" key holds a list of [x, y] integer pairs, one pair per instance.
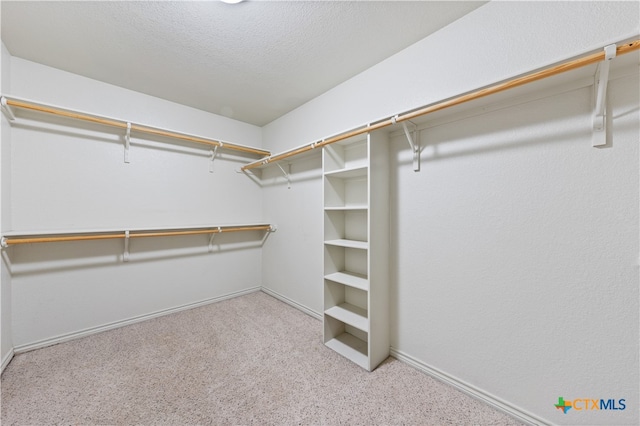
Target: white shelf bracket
{"points": [[213, 153], [127, 143], [125, 255], [287, 175], [6, 109], [413, 144], [3, 242], [213, 236], [601, 80], [273, 228]]}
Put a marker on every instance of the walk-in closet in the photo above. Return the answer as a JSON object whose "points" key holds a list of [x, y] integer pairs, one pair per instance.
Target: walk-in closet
{"points": [[331, 212]]}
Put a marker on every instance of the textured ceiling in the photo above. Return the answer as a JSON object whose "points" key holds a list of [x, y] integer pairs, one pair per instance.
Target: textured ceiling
{"points": [[253, 61]]}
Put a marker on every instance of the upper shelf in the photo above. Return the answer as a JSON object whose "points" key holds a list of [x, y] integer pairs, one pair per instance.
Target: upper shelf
{"points": [[480, 93], [29, 237], [10, 102], [362, 245], [349, 173]]}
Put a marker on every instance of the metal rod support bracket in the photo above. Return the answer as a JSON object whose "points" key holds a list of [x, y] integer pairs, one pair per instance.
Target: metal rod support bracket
{"points": [[3, 242], [601, 80], [213, 236], [273, 228], [125, 255], [8, 112], [127, 143], [213, 153], [415, 145], [287, 175]]}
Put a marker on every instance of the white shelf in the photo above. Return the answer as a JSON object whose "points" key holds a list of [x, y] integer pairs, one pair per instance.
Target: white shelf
{"points": [[350, 279], [352, 348], [363, 245], [47, 232], [348, 173], [346, 208], [350, 314]]}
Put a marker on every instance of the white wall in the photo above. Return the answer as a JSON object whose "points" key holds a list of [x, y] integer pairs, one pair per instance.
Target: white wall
{"points": [[71, 175], [517, 272], [292, 258], [6, 343], [515, 250]]}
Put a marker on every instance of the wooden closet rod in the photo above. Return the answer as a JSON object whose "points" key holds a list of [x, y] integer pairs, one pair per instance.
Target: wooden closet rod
{"points": [[48, 109], [8, 241], [476, 94]]}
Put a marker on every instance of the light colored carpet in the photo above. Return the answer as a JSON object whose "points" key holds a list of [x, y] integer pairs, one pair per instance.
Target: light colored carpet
{"points": [[248, 360]]}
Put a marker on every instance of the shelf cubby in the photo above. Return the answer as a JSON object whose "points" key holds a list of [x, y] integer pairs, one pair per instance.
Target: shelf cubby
{"points": [[345, 259], [351, 192], [345, 225], [345, 155], [347, 304], [349, 346]]}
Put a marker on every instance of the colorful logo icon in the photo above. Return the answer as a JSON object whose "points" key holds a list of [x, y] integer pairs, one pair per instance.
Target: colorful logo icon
{"points": [[563, 405], [582, 404]]}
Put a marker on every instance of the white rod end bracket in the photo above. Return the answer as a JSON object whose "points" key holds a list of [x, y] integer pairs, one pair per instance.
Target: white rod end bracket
{"points": [[8, 112]]}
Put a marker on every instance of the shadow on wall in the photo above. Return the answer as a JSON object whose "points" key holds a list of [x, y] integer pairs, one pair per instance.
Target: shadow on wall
{"points": [[308, 168], [43, 258], [493, 132], [502, 129], [511, 133], [546, 137]]}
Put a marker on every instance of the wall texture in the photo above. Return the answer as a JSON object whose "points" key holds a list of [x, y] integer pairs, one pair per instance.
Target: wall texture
{"points": [[292, 258], [522, 238], [71, 175], [515, 249], [6, 344]]}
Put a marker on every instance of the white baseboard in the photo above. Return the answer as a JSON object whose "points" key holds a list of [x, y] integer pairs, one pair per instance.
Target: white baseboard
{"points": [[504, 406], [492, 400], [110, 326], [6, 360], [296, 305]]}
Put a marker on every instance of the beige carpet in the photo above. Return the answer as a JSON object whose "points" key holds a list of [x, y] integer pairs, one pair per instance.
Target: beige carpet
{"points": [[248, 360]]}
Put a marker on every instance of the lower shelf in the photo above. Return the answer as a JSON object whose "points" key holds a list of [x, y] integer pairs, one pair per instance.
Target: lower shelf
{"points": [[351, 279], [362, 245], [352, 348], [350, 314]]}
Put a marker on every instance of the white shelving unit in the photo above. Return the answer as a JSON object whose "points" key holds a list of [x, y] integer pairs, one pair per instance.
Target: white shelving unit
{"points": [[356, 246]]}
